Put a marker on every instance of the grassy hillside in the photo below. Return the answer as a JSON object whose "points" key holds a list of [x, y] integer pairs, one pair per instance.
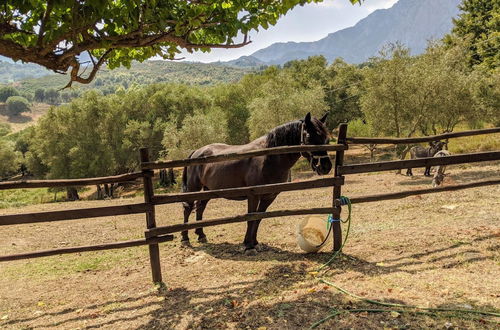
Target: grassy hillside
{"points": [[12, 72], [142, 74]]}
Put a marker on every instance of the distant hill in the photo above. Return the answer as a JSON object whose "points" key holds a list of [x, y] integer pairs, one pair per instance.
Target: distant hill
{"points": [[244, 62], [411, 22], [12, 72], [142, 74]]}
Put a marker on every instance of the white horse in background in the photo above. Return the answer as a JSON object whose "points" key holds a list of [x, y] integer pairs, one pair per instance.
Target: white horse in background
{"points": [[439, 175]]}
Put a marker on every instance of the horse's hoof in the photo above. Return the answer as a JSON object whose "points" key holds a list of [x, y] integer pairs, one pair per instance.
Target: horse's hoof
{"points": [[185, 243], [203, 240], [250, 252]]}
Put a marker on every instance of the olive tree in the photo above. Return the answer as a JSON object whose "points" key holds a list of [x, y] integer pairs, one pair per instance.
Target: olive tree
{"points": [[17, 105]]}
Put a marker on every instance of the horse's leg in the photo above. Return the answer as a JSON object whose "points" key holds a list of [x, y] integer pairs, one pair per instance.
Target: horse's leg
{"points": [[263, 205], [248, 242], [188, 208], [427, 171], [200, 208]]}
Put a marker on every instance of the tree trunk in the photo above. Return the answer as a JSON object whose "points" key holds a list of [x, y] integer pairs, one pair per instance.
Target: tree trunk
{"points": [[106, 190], [403, 154], [171, 176], [99, 192], [72, 194]]}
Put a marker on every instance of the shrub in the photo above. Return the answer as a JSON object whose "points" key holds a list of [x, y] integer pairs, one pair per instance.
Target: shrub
{"points": [[6, 92], [17, 105]]}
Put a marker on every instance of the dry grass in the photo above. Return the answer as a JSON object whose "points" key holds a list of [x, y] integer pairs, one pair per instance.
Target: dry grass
{"points": [[431, 250], [26, 119]]}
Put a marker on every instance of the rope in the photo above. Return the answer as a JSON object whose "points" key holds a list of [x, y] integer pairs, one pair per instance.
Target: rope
{"points": [[343, 201], [417, 309], [406, 308]]}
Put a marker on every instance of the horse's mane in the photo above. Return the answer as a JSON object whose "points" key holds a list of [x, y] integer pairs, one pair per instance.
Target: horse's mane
{"points": [[285, 135], [289, 134]]}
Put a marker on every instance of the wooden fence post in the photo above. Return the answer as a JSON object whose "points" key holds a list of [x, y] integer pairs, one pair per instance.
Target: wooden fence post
{"points": [[154, 251], [337, 189]]}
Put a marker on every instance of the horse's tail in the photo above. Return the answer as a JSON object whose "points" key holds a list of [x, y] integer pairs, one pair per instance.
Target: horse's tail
{"points": [[184, 176]]}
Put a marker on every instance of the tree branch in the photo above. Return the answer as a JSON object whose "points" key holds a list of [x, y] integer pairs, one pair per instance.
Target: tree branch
{"points": [[44, 23], [76, 68]]}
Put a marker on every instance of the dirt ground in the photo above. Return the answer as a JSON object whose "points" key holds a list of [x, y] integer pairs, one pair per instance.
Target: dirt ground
{"points": [[436, 250], [25, 119]]}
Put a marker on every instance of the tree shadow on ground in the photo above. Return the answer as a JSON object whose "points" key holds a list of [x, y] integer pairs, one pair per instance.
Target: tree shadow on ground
{"points": [[420, 262], [230, 251], [74, 310], [19, 119], [285, 296], [423, 261], [279, 302]]}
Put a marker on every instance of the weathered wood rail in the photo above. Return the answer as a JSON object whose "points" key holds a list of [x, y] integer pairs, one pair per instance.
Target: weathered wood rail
{"points": [[370, 140], [94, 212], [246, 191], [154, 235], [242, 155], [70, 182], [420, 162]]}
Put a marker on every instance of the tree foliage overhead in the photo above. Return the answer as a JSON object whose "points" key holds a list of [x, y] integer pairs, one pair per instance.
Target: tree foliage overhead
{"points": [[54, 33]]}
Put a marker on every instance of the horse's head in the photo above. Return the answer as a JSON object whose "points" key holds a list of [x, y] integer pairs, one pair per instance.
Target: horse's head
{"points": [[436, 146], [314, 132]]}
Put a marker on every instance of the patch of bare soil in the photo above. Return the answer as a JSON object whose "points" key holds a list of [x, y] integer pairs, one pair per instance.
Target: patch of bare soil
{"points": [[436, 250], [25, 119]]}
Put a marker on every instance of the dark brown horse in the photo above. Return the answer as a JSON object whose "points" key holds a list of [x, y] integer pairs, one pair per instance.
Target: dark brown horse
{"points": [[254, 171]]}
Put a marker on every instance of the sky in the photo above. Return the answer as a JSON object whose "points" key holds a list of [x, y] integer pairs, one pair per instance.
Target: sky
{"points": [[308, 23]]}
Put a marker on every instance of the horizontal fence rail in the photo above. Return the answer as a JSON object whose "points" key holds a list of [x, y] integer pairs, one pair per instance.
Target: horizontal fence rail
{"points": [[70, 182], [403, 194], [245, 191], [369, 140], [239, 218], [420, 162], [99, 247], [241, 155], [95, 212]]}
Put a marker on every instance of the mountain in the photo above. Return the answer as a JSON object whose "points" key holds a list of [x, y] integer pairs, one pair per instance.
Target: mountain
{"points": [[244, 62], [411, 22]]}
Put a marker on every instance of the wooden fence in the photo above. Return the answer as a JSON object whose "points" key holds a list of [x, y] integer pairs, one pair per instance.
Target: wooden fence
{"points": [[155, 235]]}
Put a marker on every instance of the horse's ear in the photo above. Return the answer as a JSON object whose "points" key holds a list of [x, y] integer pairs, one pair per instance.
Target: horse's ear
{"points": [[323, 119], [307, 119]]}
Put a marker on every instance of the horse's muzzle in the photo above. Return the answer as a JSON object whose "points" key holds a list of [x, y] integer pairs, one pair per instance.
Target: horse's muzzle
{"points": [[321, 164]]}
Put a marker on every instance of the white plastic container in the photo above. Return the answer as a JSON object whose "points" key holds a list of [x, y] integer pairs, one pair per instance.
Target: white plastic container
{"points": [[311, 232]]}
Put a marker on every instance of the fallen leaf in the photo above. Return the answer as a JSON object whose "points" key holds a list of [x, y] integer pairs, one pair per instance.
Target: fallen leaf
{"points": [[5, 317], [41, 304], [394, 314], [312, 290], [262, 328]]}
